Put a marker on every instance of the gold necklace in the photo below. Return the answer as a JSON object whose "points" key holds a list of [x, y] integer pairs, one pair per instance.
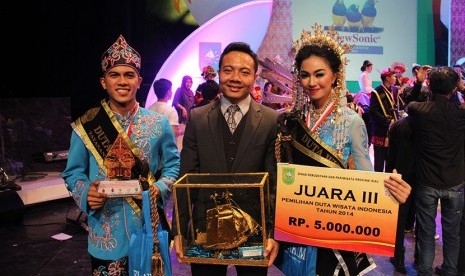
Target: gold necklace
{"points": [[319, 111], [314, 121]]}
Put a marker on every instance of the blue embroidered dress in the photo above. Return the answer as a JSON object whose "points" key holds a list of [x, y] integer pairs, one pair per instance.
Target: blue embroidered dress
{"points": [[354, 139], [111, 226]]}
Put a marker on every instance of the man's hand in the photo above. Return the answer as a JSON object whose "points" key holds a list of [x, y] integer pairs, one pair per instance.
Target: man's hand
{"points": [[95, 199], [423, 72], [271, 251], [398, 187], [178, 247]]}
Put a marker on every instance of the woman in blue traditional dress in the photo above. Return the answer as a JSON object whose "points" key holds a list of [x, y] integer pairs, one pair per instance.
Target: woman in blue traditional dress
{"points": [[338, 135]]}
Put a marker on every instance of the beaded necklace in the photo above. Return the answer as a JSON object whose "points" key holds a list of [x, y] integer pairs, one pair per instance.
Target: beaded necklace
{"points": [[330, 120], [317, 116]]}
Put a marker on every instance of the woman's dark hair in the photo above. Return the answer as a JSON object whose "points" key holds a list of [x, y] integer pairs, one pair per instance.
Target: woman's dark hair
{"points": [[366, 63], [443, 80], [240, 47], [415, 68], [268, 83], [307, 51]]}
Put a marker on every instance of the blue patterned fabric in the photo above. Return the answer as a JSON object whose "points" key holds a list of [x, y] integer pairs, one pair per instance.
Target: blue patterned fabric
{"points": [[110, 227]]}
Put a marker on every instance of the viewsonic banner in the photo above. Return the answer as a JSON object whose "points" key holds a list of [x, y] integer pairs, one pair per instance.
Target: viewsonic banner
{"points": [[381, 31]]}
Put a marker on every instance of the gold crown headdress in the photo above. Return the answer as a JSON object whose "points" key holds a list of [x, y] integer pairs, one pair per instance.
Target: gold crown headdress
{"points": [[333, 42]]}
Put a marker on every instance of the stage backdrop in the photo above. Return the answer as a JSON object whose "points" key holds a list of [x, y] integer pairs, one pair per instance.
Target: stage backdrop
{"points": [[381, 31]]}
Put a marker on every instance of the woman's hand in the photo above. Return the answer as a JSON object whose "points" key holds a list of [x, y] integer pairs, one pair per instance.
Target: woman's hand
{"points": [[271, 251], [398, 187]]}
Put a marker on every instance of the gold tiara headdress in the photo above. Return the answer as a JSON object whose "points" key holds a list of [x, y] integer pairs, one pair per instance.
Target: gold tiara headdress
{"points": [[335, 43], [320, 38]]}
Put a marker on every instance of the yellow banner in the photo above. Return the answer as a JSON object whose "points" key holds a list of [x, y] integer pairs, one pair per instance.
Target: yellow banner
{"points": [[335, 208]]}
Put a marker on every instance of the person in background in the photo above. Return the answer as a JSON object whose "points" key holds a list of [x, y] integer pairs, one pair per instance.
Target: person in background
{"points": [[399, 69], [208, 74], [418, 89], [400, 157], [364, 81], [321, 112], [458, 68], [382, 115], [461, 264], [163, 90], [458, 98], [256, 94], [415, 68], [438, 131], [118, 140], [210, 93], [418, 92], [246, 144], [362, 97], [184, 99], [268, 87]]}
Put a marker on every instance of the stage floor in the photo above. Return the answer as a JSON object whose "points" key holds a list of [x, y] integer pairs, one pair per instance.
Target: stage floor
{"points": [[28, 249]]}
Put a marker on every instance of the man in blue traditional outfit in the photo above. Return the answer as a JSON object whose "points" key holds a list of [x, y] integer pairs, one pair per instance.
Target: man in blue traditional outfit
{"points": [[118, 140]]}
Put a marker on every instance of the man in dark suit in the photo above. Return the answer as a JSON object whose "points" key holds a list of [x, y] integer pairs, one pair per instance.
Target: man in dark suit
{"points": [[215, 143]]}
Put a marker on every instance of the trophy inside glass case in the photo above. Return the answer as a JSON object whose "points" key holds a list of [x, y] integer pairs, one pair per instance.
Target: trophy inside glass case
{"points": [[223, 218]]}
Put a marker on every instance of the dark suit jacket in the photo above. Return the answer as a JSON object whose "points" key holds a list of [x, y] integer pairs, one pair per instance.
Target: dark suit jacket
{"points": [[438, 134], [400, 151], [203, 152]]}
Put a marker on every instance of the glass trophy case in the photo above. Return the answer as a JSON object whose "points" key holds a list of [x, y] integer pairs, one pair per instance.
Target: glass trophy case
{"points": [[223, 218]]}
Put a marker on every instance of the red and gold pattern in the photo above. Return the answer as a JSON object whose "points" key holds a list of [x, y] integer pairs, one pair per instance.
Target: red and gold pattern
{"points": [[120, 53]]}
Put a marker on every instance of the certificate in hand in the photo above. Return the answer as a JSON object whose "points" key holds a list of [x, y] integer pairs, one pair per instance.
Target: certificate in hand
{"points": [[120, 188], [335, 208]]}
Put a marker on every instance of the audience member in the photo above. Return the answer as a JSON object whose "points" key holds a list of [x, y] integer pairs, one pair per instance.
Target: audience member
{"points": [[210, 93], [461, 263], [382, 116], [184, 99], [459, 69], [256, 94], [399, 69], [208, 74], [458, 98], [418, 91], [400, 157], [438, 131], [163, 91], [362, 97], [365, 83], [268, 87]]}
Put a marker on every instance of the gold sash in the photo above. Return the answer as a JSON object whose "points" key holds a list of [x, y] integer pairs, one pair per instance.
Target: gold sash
{"points": [[301, 146], [99, 129]]}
